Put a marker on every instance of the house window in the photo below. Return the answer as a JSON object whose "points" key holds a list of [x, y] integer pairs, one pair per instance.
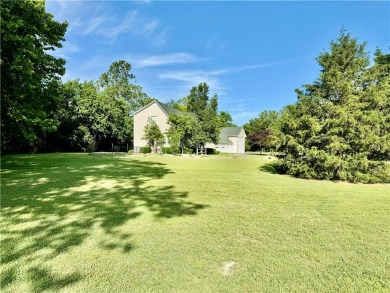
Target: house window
{"points": [[153, 118]]}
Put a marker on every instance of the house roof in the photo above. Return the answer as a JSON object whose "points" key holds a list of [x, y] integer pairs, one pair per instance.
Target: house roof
{"points": [[226, 132], [168, 110]]}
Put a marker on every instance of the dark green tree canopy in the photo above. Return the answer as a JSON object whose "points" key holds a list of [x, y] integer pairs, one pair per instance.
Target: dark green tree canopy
{"points": [[117, 82], [206, 112], [30, 78], [225, 119], [339, 127]]}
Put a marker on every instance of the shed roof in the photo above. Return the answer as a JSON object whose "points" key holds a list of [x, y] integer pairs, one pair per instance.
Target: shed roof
{"points": [[226, 132]]}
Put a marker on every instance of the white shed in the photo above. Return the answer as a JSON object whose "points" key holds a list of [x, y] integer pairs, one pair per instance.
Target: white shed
{"points": [[231, 140]]}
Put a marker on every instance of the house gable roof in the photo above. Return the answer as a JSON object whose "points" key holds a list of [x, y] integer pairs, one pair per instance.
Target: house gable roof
{"points": [[168, 110], [227, 132]]}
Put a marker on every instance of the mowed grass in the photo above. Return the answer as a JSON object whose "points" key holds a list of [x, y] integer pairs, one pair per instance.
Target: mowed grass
{"points": [[97, 223]]}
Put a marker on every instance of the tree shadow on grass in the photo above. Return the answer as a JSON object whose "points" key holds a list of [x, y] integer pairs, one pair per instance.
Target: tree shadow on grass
{"points": [[51, 203], [43, 279], [269, 168]]}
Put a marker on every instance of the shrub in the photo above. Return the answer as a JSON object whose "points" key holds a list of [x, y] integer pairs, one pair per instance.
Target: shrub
{"points": [[145, 150], [130, 152], [212, 151], [317, 164], [188, 151], [167, 150]]}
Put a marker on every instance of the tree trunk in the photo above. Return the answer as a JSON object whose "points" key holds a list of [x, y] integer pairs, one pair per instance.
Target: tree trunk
{"points": [[155, 146]]}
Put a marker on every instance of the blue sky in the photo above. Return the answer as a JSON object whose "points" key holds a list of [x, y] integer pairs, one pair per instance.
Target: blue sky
{"points": [[252, 54]]}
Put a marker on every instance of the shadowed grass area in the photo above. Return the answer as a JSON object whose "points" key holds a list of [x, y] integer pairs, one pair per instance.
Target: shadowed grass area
{"points": [[87, 223], [52, 203]]}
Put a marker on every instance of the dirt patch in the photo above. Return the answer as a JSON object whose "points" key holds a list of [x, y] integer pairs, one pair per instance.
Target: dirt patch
{"points": [[227, 268]]}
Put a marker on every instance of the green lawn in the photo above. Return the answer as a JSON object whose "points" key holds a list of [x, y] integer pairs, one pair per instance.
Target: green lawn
{"points": [[95, 223]]}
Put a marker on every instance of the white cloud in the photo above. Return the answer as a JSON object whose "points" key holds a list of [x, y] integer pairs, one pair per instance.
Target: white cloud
{"points": [[88, 18], [174, 58], [249, 67], [149, 28], [160, 38], [212, 77], [112, 32], [94, 24]]}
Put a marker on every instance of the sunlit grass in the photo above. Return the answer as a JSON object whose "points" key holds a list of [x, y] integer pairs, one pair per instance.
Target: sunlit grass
{"points": [[87, 223]]}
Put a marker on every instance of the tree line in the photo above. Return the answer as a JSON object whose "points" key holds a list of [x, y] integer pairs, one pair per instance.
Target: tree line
{"points": [[338, 129], [41, 113]]}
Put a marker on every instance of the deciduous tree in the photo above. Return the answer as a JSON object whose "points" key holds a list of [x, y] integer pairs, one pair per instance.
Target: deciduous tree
{"points": [[225, 119], [182, 131], [266, 125], [153, 134], [30, 76], [117, 83], [206, 112]]}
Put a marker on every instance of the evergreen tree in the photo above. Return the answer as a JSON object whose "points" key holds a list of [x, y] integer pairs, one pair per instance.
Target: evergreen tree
{"points": [[338, 129]]}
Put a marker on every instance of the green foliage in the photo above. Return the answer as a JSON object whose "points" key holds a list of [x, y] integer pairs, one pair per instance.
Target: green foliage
{"points": [[225, 120], [172, 150], [96, 114], [145, 150], [116, 82], [30, 76], [167, 150], [153, 134], [263, 131], [188, 151], [180, 104], [205, 111], [339, 127], [182, 130]]}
